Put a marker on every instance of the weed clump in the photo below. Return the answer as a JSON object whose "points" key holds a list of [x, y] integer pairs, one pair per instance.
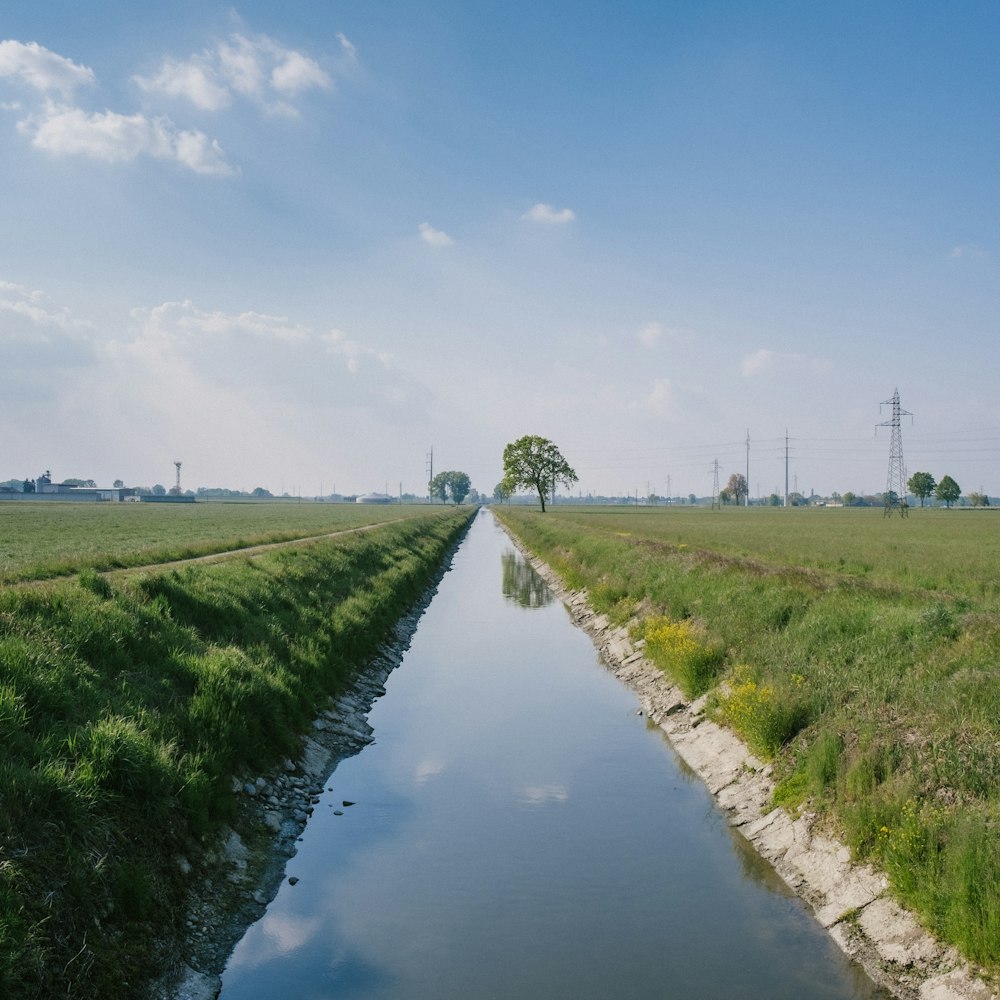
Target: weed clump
{"points": [[765, 717], [685, 652]]}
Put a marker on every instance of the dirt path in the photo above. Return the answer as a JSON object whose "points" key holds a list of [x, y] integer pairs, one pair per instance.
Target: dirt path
{"points": [[247, 551]]}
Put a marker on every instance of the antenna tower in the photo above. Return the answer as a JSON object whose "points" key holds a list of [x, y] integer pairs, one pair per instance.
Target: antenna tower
{"points": [[895, 484], [716, 501], [177, 485]]}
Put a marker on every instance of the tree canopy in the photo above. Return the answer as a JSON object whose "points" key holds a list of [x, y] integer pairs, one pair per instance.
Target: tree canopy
{"points": [[534, 462], [737, 487], [922, 485], [948, 490], [451, 485]]}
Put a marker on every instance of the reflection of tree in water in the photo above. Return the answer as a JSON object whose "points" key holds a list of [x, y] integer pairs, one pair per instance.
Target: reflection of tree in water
{"points": [[522, 584]]}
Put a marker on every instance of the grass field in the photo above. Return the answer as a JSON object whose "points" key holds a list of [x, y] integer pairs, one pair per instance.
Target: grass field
{"points": [[43, 540], [127, 704], [861, 653]]}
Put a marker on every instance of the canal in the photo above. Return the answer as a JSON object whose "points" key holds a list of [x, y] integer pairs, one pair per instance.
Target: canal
{"points": [[517, 830]]}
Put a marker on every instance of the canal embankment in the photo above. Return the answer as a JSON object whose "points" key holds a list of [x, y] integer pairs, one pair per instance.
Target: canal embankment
{"points": [[153, 732], [853, 901]]}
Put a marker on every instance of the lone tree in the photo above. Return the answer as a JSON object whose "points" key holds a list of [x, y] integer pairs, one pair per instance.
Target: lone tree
{"points": [[535, 463], [948, 490], [453, 486], [921, 484], [737, 488]]}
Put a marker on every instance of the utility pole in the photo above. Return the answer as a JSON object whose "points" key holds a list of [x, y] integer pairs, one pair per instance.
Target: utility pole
{"points": [[895, 485], [786, 466], [748, 469], [669, 494], [430, 473]]}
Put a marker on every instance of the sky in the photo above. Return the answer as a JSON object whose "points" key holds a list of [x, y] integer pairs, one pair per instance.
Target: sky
{"points": [[302, 245]]}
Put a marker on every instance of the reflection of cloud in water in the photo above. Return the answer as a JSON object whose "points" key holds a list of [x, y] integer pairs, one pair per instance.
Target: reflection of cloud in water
{"points": [[521, 584], [428, 769], [539, 795], [282, 934]]}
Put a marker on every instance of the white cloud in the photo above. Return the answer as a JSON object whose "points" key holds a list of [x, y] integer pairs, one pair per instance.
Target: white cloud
{"points": [[547, 215], [434, 237], [41, 68], [295, 72], [757, 363], [39, 344], [195, 80], [650, 334], [970, 251], [258, 69], [117, 138], [763, 360], [252, 350], [660, 398], [347, 45]]}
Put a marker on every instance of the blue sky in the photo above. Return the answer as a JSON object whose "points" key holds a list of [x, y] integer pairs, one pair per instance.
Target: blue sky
{"points": [[299, 245]]}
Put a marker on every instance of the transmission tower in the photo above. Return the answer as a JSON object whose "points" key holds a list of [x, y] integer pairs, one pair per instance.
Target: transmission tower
{"points": [[895, 484], [177, 485], [716, 501]]}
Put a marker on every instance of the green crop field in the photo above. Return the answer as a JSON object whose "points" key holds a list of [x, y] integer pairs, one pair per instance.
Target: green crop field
{"points": [[956, 551], [41, 540], [860, 653]]}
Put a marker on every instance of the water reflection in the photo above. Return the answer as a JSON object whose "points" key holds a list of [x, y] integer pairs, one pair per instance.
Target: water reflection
{"points": [[521, 584]]}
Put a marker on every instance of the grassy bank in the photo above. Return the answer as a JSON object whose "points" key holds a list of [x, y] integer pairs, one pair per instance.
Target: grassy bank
{"points": [[860, 654], [126, 708]]}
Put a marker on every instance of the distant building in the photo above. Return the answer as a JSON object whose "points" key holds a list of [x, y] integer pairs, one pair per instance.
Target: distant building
{"points": [[375, 498], [43, 489]]}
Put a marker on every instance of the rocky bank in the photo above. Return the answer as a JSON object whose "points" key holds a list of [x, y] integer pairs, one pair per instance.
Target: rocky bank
{"points": [[852, 901]]}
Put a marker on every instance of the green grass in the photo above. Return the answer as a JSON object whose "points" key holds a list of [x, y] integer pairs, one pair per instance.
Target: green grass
{"points": [[41, 540], [859, 653], [127, 706]]}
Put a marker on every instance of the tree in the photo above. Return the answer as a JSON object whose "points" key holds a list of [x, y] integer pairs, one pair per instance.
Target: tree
{"points": [[118, 484], [159, 490], [535, 463], [921, 484], [774, 500], [948, 490], [458, 486], [259, 491], [737, 488], [979, 499], [453, 486], [501, 492], [849, 499]]}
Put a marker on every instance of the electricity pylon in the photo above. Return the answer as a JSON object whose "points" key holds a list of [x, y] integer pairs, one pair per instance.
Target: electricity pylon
{"points": [[895, 485]]}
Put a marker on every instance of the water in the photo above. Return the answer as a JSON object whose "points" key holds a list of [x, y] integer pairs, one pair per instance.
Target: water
{"points": [[518, 831]]}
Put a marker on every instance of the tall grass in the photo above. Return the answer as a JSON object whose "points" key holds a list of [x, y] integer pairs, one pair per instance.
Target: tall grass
{"points": [[125, 709], [859, 654]]}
